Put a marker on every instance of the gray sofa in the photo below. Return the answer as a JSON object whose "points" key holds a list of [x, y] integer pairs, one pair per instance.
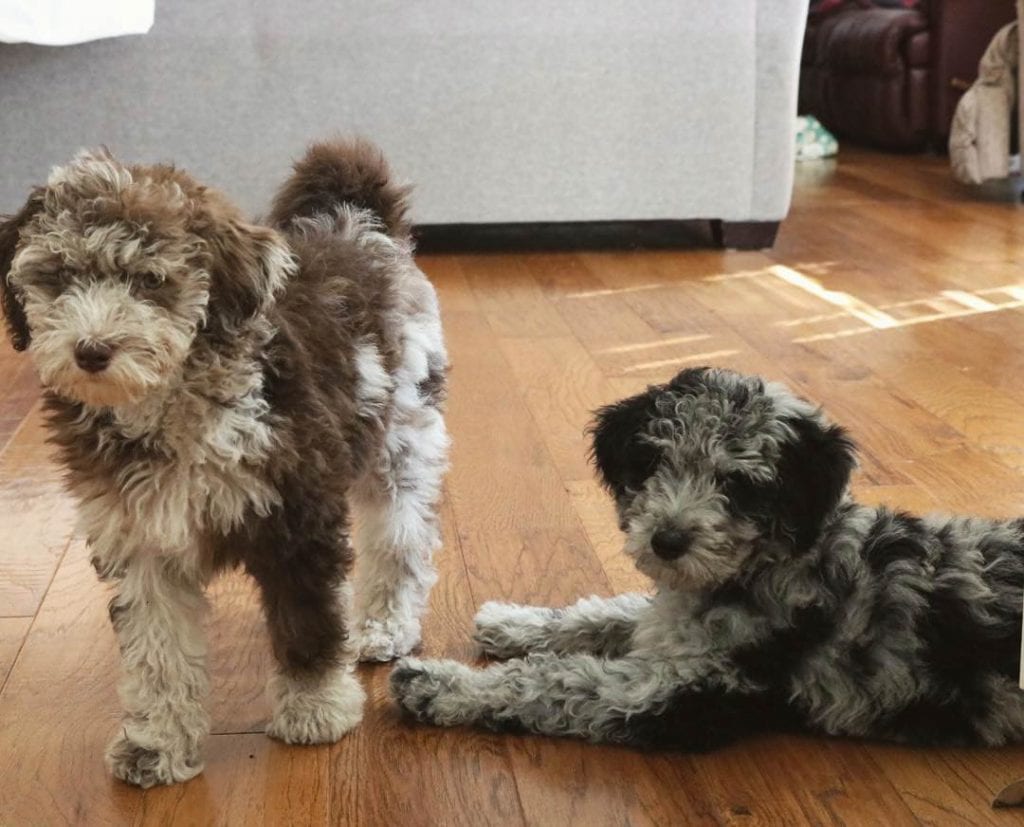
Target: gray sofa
{"points": [[501, 113]]}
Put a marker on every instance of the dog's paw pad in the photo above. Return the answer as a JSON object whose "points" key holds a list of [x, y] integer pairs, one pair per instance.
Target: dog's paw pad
{"points": [[434, 691], [384, 640], [404, 673], [145, 767], [413, 689]]}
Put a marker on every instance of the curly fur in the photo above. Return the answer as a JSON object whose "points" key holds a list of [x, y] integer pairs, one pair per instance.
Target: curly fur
{"points": [[262, 383], [781, 603]]}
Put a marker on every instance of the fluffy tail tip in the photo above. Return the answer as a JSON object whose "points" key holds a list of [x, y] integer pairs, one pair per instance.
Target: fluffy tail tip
{"points": [[346, 171]]}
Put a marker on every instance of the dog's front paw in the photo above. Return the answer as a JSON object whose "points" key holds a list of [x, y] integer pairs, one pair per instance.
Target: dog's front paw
{"points": [[146, 767], [383, 640], [506, 630], [435, 692], [315, 712]]}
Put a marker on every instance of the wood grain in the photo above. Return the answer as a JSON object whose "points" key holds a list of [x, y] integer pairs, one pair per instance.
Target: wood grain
{"points": [[248, 779], [537, 342], [18, 397], [515, 521], [37, 519], [380, 772], [12, 634], [59, 707], [952, 786]]}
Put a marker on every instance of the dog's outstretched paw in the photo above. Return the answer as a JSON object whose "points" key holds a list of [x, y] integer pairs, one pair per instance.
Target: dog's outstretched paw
{"points": [[145, 767], [507, 630], [432, 691], [307, 712], [384, 640]]}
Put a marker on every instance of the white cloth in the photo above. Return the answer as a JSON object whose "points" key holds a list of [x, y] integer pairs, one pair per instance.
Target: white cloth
{"points": [[63, 22]]}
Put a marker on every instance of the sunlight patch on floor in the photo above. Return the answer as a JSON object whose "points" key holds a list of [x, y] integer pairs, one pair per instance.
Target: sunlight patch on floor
{"points": [[874, 317], [948, 304], [678, 340], [945, 304], [970, 300], [679, 360], [739, 274], [615, 291], [824, 317]]}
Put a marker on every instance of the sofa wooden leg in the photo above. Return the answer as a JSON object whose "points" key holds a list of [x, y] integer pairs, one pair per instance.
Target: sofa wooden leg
{"points": [[744, 235]]}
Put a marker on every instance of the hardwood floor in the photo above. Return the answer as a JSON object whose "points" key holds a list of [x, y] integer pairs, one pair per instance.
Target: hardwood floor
{"points": [[892, 296]]}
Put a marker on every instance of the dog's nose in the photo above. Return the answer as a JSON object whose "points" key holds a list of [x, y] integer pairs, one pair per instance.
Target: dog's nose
{"points": [[671, 543], [93, 356]]}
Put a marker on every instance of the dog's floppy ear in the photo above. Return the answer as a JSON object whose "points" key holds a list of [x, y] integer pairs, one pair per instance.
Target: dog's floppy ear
{"points": [[619, 451], [248, 265], [689, 379], [813, 473], [14, 311]]}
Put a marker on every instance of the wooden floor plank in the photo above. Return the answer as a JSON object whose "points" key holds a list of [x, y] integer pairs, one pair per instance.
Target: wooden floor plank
{"points": [[514, 517], [38, 519], [379, 773], [13, 631], [59, 708], [239, 656], [561, 386], [983, 346], [250, 780], [952, 786], [391, 773], [513, 302], [597, 516], [18, 397], [582, 784]]}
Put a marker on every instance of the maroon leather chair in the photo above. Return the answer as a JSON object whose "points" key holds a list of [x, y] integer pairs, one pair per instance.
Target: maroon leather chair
{"points": [[891, 78]]}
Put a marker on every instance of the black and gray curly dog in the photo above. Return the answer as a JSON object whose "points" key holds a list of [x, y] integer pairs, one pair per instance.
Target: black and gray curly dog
{"points": [[781, 603]]}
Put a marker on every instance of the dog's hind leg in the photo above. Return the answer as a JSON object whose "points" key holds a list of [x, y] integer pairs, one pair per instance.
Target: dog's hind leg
{"points": [[398, 532], [157, 614], [594, 625], [300, 558]]}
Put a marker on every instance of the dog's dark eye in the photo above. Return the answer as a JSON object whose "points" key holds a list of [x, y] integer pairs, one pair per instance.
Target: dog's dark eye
{"points": [[151, 281]]}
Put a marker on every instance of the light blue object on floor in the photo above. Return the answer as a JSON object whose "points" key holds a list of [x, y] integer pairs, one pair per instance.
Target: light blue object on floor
{"points": [[813, 141]]}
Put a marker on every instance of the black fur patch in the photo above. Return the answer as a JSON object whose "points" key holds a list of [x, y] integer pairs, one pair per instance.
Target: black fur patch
{"points": [[10, 230], [771, 662], [896, 537], [702, 720], [944, 718], [623, 458], [813, 472]]}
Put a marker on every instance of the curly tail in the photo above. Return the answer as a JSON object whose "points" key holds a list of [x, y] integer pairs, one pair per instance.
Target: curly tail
{"points": [[335, 173]]}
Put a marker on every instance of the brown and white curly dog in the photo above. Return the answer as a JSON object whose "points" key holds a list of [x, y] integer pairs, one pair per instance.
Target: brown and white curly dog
{"points": [[224, 393]]}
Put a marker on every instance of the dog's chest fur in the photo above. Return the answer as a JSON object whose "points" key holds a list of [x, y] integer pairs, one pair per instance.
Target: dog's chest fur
{"points": [[677, 629], [161, 477]]}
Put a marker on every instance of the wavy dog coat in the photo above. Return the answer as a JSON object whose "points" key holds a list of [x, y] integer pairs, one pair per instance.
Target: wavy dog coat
{"points": [[781, 603], [225, 393]]}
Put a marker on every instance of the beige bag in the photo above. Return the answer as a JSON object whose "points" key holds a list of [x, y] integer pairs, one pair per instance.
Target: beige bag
{"points": [[979, 140]]}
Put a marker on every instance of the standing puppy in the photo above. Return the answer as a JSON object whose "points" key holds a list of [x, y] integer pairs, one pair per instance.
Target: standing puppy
{"points": [[781, 603], [224, 393]]}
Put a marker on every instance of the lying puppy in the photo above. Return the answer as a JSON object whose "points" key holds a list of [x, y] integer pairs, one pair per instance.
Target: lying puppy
{"points": [[221, 393], [781, 603]]}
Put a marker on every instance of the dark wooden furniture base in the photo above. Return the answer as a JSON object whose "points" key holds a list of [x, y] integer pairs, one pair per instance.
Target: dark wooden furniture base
{"points": [[744, 235], [593, 235]]}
